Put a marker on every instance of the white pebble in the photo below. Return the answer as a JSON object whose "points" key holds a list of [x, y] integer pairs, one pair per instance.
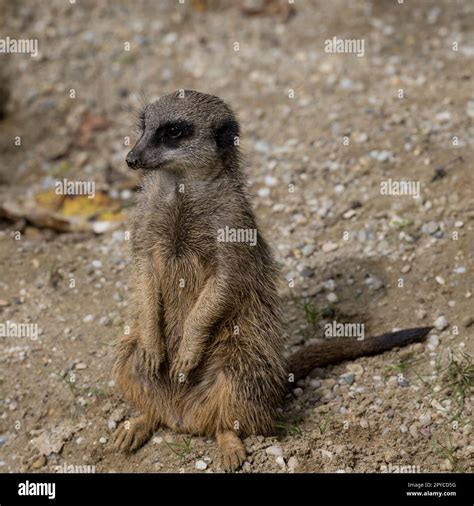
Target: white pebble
{"points": [[200, 465], [349, 214], [433, 342], [329, 246], [439, 280], [280, 461], [103, 440], [441, 323], [274, 450], [270, 181], [331, 297], [263, 192], [292, 463]]}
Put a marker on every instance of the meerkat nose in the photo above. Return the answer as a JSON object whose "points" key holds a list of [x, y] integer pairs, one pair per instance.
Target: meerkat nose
{"points": [[132, 160]]}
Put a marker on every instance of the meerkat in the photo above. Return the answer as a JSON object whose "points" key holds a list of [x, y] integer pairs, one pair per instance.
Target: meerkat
{"points": [[205, 351]]}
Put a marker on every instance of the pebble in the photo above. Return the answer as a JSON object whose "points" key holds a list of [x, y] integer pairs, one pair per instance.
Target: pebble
{"points": [[298, 392], [104, 321], [443, 117], [271, 181], [292, 463], [349, 214], [157, 440], [308, 250], [314, 383], [406, 268], [112, 424], [414, 430], [421, 313], [430, 228], [374, 282], [97, 264], [441, 323], [263, 192], [439, 280], [39, 462], [425, 418], [331, 297], [364, 423], [326, 453], [403, 382], [276, 451], [446, 465], [330, 285], [200, 465], [88, 318], [80, 366], [460, 270], [381, 156], [360, 137], [329, 246], [356, 369], [3, 440], [307, 273], [247, 468], [103, 440], [425, 431], [280, 461], [329, 383], [433, 342], [348, 378]]}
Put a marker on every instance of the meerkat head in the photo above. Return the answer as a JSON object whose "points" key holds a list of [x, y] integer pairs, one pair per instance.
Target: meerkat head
{"points": [[188, 133]]}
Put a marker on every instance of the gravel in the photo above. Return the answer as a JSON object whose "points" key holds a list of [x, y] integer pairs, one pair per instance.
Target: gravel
{"points": [[441, 323]]}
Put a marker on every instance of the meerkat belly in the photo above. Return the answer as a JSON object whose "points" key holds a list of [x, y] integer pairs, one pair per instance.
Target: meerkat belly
{"points": [[181, 281]]}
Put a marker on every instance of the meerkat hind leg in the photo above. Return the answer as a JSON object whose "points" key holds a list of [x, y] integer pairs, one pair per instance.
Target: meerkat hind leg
{"points": [[231, 449], [133, 434]]}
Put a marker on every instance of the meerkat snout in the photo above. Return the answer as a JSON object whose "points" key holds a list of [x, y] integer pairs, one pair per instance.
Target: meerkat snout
{"points": [[188, 133], [132, 160]]}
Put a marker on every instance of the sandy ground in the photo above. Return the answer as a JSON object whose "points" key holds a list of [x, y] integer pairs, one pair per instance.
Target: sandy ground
{"points": [[321, 132]]}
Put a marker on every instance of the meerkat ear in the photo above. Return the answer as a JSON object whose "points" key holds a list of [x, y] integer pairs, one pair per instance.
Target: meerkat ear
{"points": [[227, 135]]}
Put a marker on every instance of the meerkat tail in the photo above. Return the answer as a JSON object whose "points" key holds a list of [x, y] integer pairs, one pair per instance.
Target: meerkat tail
{"points": [[332, 352]]}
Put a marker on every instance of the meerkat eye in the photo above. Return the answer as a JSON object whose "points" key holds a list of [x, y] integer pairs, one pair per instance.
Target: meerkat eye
{"points": [[174, 132]]}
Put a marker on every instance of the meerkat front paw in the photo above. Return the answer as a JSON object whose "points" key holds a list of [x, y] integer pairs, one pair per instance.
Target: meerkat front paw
{"points": [[183, 364], [148, 361]]}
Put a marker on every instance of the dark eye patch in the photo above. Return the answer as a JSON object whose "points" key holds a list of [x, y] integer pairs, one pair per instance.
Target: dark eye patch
{"points": [[171, 134], [226, 134]]}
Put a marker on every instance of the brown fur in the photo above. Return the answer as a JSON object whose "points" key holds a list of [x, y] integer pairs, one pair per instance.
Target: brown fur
{"points": [[205, 352]]}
